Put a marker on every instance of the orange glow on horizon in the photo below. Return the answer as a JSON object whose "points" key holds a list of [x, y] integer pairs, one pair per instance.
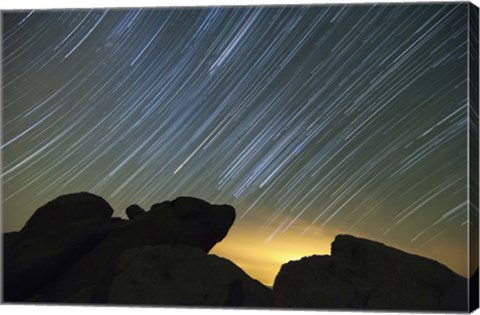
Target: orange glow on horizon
{"points": [[249, 248], [247, 245]]}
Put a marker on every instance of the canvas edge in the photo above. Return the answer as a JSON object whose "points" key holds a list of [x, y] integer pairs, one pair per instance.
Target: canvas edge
{"points": [[473, 156]]}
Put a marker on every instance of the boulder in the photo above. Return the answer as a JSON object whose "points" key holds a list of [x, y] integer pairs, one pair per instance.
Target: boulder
{"points": [[133, 211], [363, 274], [181, 275], [188, 221], [56, 235]]}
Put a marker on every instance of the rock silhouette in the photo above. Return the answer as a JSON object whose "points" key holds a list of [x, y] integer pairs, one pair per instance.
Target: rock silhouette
{"points": [[133, 211], [181, 275], [73, 251], [363, 274], [67, 250], [54, 237]]}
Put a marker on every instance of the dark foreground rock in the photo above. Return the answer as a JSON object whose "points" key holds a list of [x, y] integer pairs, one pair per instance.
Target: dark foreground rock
{"points": [[362, 274], [188, 221], [56, 235], [72, 251], [67, 250], [181, 275], [474, 291], [134, 211]]}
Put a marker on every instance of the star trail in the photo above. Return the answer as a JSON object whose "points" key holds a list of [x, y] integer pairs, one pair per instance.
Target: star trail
{"points": [[310, 120]]}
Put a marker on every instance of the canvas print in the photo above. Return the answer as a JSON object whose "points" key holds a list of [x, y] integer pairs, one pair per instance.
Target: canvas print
{"points": [[271, 157]]}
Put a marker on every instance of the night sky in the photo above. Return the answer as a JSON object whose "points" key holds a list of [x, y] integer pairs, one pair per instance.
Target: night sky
{"points": [[310, 121]]}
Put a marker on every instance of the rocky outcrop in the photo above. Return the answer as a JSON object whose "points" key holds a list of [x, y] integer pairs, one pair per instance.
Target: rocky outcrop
{"points": [[181, 275], [134, 211], [72, 251], [188, 221], [54, 237], [362, 274], [67, 250]]}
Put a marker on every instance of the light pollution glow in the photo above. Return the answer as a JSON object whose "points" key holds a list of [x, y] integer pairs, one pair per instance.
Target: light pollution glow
{"points": [[248, 245]]}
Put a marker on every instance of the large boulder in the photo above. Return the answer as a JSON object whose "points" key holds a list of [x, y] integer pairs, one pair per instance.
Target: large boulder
{"points": [[56, 235], [188, 221], [181, 275], [363, 274], [134, 211]]}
